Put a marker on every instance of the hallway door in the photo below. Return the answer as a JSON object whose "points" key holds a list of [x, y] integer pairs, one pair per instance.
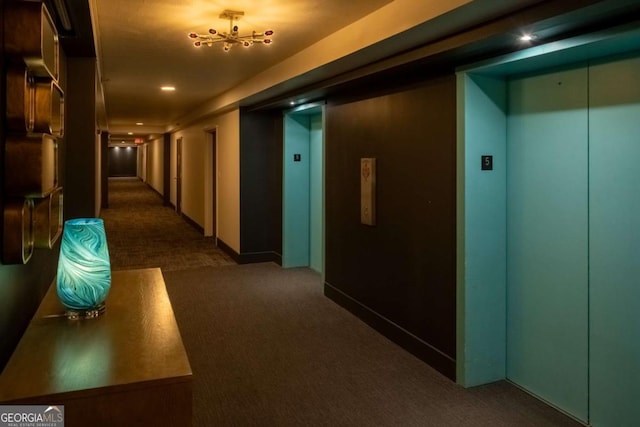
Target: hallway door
{"points": [[547, 238]]}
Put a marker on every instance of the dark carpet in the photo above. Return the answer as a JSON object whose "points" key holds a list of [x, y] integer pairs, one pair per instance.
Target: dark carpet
{"points": [[142, 233], [268, 349]]}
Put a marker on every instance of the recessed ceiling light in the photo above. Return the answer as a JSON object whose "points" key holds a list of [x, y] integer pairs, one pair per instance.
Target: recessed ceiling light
{"points": [[167, 88], [139, 124], [122, 142], [527, 37], [292, 103]]}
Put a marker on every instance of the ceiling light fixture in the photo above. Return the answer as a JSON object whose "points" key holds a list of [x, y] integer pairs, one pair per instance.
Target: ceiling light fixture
{"points": [[129, 133], [233, 37], [168, 88], [527, 37], [139, 124]]}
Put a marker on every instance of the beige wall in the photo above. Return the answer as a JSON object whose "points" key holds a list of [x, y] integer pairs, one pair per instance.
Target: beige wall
{"points": [[153, 164], [142, 162], [197, 175]]}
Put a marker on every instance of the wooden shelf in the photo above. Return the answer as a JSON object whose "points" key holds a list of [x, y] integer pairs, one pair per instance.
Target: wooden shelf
{"points": [[31, 35], [48, 107], [31, 165], [126, 367], [20, 98], [17, 245], [47, 219]]}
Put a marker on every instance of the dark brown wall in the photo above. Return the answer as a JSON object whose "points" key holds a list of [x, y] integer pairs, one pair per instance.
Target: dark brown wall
{"points": [[260, 186], [80, 138], [123, 161], [400, 274], [21, 286], [104, 169]]}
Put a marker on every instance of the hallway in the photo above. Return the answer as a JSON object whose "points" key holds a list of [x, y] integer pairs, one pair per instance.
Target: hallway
{"points": [[142, 233], [267, 348]]}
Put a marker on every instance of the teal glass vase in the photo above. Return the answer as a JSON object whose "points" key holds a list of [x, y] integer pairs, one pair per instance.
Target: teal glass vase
{"points": [[84, 269]]}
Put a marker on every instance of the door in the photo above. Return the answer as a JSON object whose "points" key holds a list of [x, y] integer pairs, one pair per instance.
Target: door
{"points": [[303, 190], [614, 209], [179, 175], [547, 238]]}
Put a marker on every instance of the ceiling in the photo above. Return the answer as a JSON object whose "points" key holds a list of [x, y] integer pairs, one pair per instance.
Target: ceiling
{"points": [[142, 45]]}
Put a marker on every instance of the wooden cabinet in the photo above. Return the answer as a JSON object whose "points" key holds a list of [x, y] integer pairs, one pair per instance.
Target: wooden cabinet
{"points": [[126, 367]]}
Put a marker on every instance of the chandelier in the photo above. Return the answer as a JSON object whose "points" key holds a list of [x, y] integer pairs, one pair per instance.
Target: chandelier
{"points": [[233, 37]]}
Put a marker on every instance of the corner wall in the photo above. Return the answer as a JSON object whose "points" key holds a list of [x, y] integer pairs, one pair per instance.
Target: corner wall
{"points": [[80, 136], [260, 187], [197, 180], [481, 230]]}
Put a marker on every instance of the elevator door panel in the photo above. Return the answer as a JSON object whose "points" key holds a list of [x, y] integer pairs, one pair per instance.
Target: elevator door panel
{"points": [[614, 124], [547, 238]]}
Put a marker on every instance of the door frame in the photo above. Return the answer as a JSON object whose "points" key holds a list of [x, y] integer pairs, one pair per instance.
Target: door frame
{"points": [[287, 222], [211, 181], [178, 177]]}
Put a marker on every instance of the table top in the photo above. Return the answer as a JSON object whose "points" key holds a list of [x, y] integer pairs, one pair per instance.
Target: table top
{"points": [[136, 341]]}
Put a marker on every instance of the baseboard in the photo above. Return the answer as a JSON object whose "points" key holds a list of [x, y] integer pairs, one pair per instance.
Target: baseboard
{"points": [[192, 223], [250, 257], [253, 257], [405, 339], [154, 190], [228, 250]]}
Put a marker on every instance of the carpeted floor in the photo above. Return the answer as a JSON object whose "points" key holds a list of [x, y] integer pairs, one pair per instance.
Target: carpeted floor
{"points": [[142, 233], [268, 349]]}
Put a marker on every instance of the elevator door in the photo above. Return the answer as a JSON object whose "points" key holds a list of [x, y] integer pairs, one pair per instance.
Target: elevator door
{"points": [[303, 181], [614, 211], [547, 237]]}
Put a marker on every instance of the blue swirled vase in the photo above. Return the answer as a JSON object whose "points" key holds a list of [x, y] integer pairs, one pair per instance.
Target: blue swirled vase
{"points": [[84, 270]]}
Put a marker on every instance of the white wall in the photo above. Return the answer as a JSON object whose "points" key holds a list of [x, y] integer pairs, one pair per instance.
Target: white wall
{"points": [[197, 175]]}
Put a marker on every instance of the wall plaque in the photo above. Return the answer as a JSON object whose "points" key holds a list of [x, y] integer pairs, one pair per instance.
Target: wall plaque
{"points": [[368, 191]]}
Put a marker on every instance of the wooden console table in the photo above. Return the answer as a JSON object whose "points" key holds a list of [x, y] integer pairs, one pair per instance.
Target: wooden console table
{"points": [[126, 367]]}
